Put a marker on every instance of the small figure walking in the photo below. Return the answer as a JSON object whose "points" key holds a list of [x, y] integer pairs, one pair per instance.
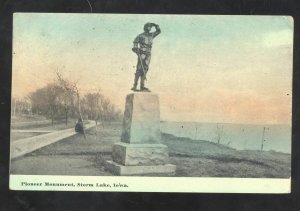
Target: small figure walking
{"points": [[142, 45], [79, 126]]}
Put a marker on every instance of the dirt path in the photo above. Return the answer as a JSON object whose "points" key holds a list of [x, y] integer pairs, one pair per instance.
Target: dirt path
{"points": [[72, 156]]}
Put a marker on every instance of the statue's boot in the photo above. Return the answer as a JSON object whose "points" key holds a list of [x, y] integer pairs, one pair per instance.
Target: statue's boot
{"points": [[134, 88], [143, 88]]}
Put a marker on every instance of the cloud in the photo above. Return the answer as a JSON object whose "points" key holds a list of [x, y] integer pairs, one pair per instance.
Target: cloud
{"points": [[279, 38]]}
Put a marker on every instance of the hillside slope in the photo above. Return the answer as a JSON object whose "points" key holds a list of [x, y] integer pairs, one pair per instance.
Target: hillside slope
{"points": [[207, 159]]}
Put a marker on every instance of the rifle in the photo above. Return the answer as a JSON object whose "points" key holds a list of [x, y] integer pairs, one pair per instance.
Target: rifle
{"points": [[141, 61]]}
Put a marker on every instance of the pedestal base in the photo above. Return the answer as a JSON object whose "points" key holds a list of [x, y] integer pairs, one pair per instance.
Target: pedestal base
{"points": [[157, 170], [140, 154], [140, 151]]}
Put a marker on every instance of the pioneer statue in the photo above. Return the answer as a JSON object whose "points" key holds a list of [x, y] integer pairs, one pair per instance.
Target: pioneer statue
{"points": [[142, 45]]}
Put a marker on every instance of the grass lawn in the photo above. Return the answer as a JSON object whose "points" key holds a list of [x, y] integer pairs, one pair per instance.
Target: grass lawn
{"points": [[78, 156], [207, 159]]}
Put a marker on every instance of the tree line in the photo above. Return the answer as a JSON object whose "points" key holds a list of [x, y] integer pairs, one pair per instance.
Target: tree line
{"points": [[62, 101]]}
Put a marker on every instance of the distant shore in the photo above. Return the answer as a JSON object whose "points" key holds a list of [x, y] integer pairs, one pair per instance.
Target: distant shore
{"points": [[238, 136]]}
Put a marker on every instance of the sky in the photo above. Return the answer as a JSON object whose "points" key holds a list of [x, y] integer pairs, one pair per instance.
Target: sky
{"points": [[204, 68]]}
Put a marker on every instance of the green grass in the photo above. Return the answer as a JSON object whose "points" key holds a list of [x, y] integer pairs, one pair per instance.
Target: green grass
{"points": [[203, 158], [193, 158]]}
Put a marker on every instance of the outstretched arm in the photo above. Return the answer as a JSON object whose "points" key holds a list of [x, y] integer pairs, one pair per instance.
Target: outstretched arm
{"points": [[157, 30]]}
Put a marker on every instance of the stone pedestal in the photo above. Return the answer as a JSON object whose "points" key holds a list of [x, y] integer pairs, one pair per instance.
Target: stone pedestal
{"points": [[140, 151]]}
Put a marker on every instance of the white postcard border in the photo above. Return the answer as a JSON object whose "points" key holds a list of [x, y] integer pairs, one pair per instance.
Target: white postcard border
{"points": [[149, 184]]}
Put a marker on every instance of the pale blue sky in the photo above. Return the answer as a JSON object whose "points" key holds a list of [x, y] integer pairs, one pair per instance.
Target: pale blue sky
{"points": [[205, 68]]}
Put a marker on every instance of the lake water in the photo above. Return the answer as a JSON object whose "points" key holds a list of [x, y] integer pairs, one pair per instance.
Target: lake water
{"points": [[238, 136]]}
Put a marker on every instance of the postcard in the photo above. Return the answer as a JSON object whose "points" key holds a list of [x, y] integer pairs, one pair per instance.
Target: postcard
{"points": [[151, 103]]}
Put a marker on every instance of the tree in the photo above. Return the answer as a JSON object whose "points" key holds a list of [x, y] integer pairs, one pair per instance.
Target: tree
{"points": [[107, 112], [90, 104], [20, 106], [71, 89], [99, 108], [263, 140], [67, 100], [219, 132], [47, 101]]}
